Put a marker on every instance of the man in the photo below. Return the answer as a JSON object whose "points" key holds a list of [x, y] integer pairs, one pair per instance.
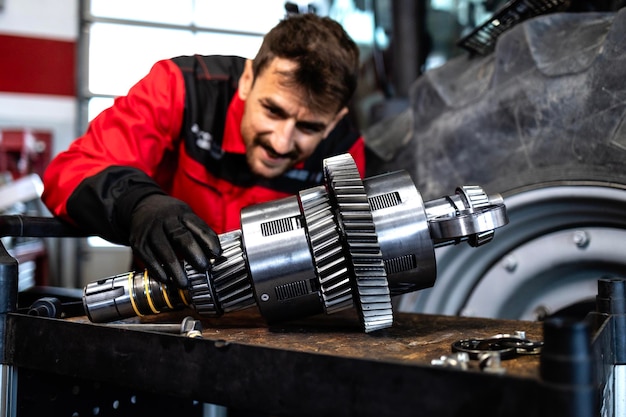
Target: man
{"points": [[173, 162]]}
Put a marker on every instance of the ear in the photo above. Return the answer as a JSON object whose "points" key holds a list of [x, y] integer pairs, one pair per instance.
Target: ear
{"points": [[340, 114], [246, 80]]}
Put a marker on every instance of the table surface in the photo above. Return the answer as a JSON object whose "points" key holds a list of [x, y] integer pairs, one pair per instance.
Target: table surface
{"points": [[305, 367], [413, 339]]}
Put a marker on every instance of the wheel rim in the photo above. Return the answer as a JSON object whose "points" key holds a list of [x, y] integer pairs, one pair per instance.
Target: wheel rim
{"points": [[561, 238]]}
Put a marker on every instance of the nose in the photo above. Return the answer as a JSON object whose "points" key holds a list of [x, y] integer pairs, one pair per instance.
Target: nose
{"points": [[284, 137]]}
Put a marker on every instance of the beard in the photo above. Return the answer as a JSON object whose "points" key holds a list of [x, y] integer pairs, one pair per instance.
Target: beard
{"points": [[262, 142], [257, 154]]}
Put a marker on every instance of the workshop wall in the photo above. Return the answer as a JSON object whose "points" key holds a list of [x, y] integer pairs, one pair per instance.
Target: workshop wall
{"points": [[38, 43], [38, 71]]}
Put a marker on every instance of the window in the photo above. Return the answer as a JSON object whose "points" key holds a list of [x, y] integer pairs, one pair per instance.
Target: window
{"points": [[122, 39]]}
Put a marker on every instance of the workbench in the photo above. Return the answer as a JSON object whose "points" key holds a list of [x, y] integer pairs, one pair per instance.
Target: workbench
{"points": [[322, 366], [319, 366]]}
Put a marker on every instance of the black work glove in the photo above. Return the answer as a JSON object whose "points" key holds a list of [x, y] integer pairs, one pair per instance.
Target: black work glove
{"points": [[161, 227]]}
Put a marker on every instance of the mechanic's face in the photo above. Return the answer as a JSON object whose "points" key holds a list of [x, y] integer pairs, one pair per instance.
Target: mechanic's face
{"points": [[278, 128]]}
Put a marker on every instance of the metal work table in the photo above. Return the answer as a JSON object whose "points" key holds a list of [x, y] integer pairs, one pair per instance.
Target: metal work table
{"points": [[322, 366]]}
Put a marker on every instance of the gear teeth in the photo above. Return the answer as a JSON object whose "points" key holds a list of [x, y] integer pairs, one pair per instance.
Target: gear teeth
{"points": [[325, 240], [355, 216], [228, 287], [230, 277], [201, 293]]}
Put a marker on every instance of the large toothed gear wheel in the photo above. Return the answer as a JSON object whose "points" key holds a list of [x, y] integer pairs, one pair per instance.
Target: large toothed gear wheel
{"points": [[227, 281], [330, 263], [355, 218]]}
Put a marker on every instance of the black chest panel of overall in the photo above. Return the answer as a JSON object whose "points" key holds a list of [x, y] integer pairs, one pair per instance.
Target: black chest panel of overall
{"points": [[210, 84]]}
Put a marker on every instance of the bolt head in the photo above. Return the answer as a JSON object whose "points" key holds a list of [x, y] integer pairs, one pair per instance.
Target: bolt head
{"points": [[510, 263], [581, 239]]}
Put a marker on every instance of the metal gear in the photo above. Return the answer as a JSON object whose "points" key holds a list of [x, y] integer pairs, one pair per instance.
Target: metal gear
{"points": [[227, 281], [201, 292], [355, 218], [230, 275], [325, 240]]}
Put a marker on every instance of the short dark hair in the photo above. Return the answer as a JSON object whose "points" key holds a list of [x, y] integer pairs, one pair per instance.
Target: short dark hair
{"points": [[327, 58]]}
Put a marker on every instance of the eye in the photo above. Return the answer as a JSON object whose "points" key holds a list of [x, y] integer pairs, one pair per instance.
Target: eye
{"points": [[274, 111], [310, 128]]}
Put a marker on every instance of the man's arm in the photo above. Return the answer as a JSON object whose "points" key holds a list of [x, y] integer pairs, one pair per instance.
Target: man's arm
{"points": [[135, 132], [104, 183]]}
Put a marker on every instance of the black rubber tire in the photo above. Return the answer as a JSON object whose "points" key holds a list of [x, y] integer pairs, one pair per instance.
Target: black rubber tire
{"points": [[547, 109], [548, 105]]}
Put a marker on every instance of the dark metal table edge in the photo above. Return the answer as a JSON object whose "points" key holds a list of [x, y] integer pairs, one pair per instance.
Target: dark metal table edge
{"points": [[276, 381]]}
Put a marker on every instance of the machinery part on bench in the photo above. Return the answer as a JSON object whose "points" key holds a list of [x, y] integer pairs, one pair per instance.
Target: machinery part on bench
{"points": [[349, 243], [188, 327], [228, 287], [368, 269], [328, 257], [53, 307], [46, 307], [507, 345]]}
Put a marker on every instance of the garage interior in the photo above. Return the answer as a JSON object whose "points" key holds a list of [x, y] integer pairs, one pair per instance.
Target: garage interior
{"points": [[519, 103]]}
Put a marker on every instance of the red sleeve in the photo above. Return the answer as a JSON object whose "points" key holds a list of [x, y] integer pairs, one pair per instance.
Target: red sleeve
{"points": [[358, 154], [136, 131]]}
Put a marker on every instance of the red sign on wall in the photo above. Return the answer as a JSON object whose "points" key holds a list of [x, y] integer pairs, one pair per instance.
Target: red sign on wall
{"points": [[37, 66]]}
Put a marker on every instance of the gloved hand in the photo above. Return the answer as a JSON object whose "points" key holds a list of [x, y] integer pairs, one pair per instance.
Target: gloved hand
{"points": [[162, 227]]}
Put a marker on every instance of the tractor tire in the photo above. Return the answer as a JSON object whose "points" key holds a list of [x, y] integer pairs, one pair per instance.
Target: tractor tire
{"points": [[542, 121]]}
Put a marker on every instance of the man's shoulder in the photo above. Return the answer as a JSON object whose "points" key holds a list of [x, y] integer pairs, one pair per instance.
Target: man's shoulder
{"points": [[211, 66]]}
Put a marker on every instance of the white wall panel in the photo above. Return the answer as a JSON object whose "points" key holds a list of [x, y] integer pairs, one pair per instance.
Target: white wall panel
{"points": [[40, 18]]}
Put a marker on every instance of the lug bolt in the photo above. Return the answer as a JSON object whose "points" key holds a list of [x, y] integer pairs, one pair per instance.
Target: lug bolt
{"points": [[510, 263], [581, 239]]}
